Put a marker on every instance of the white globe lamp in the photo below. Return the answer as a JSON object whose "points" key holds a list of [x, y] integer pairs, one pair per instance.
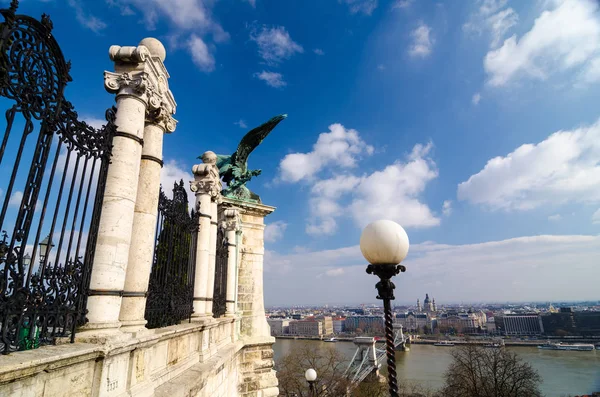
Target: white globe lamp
{"points": [[310, 375], [384, 242]]}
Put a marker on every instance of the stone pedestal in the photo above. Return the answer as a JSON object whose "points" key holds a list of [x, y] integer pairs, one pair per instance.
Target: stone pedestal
{"points": [[258, 376]]}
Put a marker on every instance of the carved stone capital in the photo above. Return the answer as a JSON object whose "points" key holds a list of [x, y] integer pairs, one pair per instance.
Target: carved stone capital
{"points": [[206, 180], [140, 72], [161, 117], [128, 54], [135, 83], [232, 220]]}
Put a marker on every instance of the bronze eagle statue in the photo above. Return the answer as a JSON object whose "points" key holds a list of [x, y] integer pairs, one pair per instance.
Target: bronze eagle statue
{"points": [[233, 169]]}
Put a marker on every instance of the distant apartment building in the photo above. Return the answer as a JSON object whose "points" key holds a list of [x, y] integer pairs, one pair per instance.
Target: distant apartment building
{"points": [[365, 324], [338, 325], [568, 322], [520, 324], [327, 324], [462, 322], [413, 322], [279, 326], [309, 327]]}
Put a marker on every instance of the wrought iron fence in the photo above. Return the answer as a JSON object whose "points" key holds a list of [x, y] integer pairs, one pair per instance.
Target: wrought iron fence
{"points": [[52, 176], [220, 288], [171, 287]]}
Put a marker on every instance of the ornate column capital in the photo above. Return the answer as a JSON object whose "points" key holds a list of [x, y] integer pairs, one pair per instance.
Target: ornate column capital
{"points": [[206, 177], [232, 220], [140, 72]]}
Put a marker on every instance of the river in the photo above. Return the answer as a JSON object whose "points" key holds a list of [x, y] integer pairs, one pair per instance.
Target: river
{"points": [[563, 372]]}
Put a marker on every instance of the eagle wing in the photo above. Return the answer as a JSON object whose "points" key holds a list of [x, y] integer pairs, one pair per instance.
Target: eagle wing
{"points": [[252, 139]]}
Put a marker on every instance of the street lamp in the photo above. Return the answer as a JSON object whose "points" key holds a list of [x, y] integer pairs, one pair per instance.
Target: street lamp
{"points": [[385, 244], [27, 259], [45, 247], [311, 377]]}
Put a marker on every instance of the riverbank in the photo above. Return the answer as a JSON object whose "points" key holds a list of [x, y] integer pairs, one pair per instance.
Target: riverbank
{"points": [[424, 341], [563, 372]]}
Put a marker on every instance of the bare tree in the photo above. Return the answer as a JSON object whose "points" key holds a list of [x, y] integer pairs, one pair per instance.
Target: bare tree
{"points": [[481, 372], [330, 365]]}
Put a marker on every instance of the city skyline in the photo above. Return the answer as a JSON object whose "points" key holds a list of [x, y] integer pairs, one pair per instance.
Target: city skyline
{"points": [[473, 125]]}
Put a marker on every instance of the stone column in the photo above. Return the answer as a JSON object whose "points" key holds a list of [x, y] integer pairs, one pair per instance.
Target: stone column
{"points": [[135, 82], [141, 253], [206, 185], [231, 224], [212, 256]]}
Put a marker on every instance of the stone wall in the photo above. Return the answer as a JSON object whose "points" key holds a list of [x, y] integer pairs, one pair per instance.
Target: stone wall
{"points": [[182, 360]]}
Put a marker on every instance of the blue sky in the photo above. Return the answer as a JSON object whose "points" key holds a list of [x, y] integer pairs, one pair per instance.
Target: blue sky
{"points": [[473, 124]]}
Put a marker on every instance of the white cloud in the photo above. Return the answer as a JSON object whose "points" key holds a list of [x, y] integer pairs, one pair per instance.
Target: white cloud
{"points": [[275, 44], [335, 272], [361, 6], [185, 15], [596, 217], [421, 41], [501, 23], [272, 79], [15, 199], [87, 20], [201, 54], [537, 261], [274, 231], [392, 193], [545, 49], [172, 172], [241, 124], [340, 146], [251, 2], [555, 217], [402, 4], [447, 207], [319, 51], [490, 16], [381, 67], [565, 167], [95, 122], [476, 98]]}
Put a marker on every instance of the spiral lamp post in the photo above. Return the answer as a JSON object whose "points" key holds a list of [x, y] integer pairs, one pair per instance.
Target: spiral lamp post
{"points": [[384, 244]]}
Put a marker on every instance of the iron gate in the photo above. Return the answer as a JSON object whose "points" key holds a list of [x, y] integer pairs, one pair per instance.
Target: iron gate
{"points": [[52, 177], [220, 289], [171, 286]]}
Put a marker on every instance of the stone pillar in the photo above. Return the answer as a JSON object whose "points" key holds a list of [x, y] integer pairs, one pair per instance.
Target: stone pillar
{"points": [[206, 185], [212, 256], [231, 224], [257, 375], [136, 81], [141, 253]]}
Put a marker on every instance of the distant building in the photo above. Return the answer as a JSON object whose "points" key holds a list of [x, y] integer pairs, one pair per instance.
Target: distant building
{"points": [[568, 322], [413, 322], [366, 324], [338, 325], [327, 324], [310, 327], [279, 326], [462, 322], [520, 324]]}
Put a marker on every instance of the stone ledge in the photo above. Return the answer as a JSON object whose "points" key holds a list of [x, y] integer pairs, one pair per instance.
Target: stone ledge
{"points": [[19, 365], [190, 382]]}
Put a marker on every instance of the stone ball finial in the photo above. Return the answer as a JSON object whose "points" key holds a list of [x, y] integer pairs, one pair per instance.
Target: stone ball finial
{"points": [[156, 48], [209, 157]]}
